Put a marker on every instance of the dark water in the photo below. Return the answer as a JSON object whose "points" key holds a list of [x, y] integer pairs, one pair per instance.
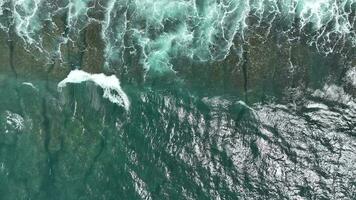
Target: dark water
{"points": [[226, 99], [174, 144]]}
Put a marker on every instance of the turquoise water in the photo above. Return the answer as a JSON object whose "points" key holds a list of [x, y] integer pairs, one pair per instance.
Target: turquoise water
{"points": [[181, 99], [173, 144]]}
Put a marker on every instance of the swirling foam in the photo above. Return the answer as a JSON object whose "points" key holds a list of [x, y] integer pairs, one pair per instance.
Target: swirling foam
{"points": [[157, 31]]}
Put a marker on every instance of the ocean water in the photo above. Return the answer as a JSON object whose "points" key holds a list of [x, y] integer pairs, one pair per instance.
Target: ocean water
{"points": [[177, 99]]}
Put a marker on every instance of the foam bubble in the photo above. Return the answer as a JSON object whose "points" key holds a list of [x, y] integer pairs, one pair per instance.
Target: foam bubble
{"points": [[110, 85]]}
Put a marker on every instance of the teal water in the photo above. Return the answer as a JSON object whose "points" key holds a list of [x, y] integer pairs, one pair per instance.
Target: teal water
{"points": [[173, 144], [181, 99]]}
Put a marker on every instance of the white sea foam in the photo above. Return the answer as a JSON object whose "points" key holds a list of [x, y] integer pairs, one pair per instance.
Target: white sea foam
{"points": [[317, 106], [244, 104], [335, 93], [206, 31], [30, 85], [14, 120], [351, 76], [110, 85]]}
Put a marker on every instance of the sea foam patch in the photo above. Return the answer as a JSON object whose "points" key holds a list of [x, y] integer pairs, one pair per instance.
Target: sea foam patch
{"points": [[110, 85], [351, 76], [14, 121]]}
